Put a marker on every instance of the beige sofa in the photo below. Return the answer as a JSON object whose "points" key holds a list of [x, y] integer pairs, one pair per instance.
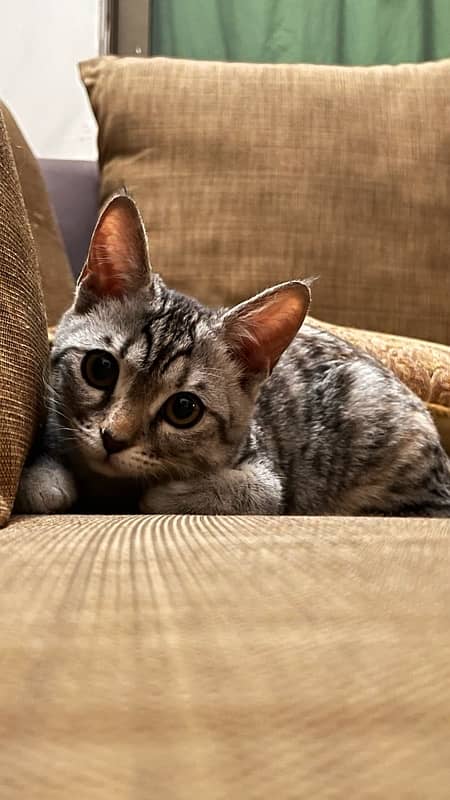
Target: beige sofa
{"points": [[207, 657]]}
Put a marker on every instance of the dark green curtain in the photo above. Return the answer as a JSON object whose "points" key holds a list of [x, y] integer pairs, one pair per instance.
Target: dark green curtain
{"points": [[311, 31]]}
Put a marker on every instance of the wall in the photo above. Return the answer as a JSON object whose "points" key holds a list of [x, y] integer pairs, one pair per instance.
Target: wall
{"points": [[41, 43]]}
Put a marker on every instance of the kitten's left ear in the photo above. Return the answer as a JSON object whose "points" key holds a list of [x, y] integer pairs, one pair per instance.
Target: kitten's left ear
{"points": [[259, 330], [118, 261]]}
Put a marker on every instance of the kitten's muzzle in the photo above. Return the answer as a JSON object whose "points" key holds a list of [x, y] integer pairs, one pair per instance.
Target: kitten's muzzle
{"points": [[111, 443]]}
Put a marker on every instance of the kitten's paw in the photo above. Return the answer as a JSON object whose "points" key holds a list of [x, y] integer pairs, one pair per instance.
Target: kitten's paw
{"points": [[231, 491], [46, 487], [175, 497]]}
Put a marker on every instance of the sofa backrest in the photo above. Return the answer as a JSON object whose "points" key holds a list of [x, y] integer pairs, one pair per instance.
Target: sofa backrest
{"points": [[73, 189]]}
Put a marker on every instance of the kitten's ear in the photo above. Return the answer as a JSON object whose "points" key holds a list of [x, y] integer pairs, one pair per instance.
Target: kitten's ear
{"points": [[259, 330], [118, 262]]}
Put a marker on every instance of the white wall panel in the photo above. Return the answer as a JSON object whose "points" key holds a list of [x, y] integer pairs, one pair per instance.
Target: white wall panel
{"points": [[41, 42]]}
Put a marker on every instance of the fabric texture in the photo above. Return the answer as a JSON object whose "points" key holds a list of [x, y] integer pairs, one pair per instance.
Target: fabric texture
{"points": [[311, 31], [205, 658], [248, 175], [23, 340], [57, 280]]}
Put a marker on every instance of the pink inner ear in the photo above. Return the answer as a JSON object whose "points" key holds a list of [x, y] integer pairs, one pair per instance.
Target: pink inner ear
{"points": [[118, 257], [107, 266], [265, 328], [269, 333]]}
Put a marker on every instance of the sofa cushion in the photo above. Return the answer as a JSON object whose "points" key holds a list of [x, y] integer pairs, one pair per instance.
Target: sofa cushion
{"points": [[151, 657], [57, 280], [23, 341], [251, 174]]}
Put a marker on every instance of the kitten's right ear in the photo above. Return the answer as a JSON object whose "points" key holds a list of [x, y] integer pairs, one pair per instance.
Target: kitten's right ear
{"points": [[118, 262]]}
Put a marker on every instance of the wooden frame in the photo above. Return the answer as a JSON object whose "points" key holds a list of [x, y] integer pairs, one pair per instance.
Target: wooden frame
{"points": [[124, 27]]}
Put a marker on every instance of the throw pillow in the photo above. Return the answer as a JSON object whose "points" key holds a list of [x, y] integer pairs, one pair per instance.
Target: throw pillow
{"points": [[250, 174]]}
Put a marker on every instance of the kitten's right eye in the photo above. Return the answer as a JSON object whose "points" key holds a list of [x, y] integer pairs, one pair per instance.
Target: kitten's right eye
{"points": [[100, 369]]}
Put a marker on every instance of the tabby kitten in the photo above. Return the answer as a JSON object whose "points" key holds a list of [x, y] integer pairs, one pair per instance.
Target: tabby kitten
{"points": [[156, 399]]}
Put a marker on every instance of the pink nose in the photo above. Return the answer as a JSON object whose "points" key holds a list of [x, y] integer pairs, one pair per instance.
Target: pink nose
{"points": [[111, 444]]}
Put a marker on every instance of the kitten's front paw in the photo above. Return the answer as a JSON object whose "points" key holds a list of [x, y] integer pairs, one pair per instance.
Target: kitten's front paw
{"points": [[250, 490], [46, 487], [175, 497]]}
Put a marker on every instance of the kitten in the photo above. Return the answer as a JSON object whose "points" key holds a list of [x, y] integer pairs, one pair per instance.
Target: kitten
{"points": [[184, 409]]}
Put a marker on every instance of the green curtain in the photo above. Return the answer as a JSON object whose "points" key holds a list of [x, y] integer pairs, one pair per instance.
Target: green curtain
{"points": [[311, 31]]}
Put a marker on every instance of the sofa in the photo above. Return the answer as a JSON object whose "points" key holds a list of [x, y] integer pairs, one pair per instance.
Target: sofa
{"points": [[209, 657]]}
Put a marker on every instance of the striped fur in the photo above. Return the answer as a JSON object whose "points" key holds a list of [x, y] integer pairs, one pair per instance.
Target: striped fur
{"points": [[328, 431]]}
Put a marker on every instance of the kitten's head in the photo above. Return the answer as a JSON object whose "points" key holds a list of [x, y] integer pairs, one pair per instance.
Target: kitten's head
{"points": [[149, 383]]}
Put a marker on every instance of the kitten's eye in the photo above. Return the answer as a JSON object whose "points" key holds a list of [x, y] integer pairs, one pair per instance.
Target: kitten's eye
{"points": [[100, 369], [183, 410]]}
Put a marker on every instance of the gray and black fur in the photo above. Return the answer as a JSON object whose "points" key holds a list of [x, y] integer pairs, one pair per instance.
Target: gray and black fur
{"points": [[293, 423]]}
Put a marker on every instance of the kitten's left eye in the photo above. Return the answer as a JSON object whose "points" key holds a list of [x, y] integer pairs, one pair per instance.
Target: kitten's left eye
{"points": [[100, 369], [183, 410]]}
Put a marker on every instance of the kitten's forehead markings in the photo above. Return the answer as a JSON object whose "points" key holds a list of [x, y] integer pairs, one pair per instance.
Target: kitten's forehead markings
{"points": [[184, 369], [183, 373], [125, 346], [172, 357], [147, 332], [133, 352]]}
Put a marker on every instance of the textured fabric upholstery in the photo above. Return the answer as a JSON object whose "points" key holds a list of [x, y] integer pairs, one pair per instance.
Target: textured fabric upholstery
{"points": [[57, 280], [219, 658], [23, 340]]}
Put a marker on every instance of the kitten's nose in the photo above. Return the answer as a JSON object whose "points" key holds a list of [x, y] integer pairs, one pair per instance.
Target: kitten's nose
{"points": [[111, 444]]}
